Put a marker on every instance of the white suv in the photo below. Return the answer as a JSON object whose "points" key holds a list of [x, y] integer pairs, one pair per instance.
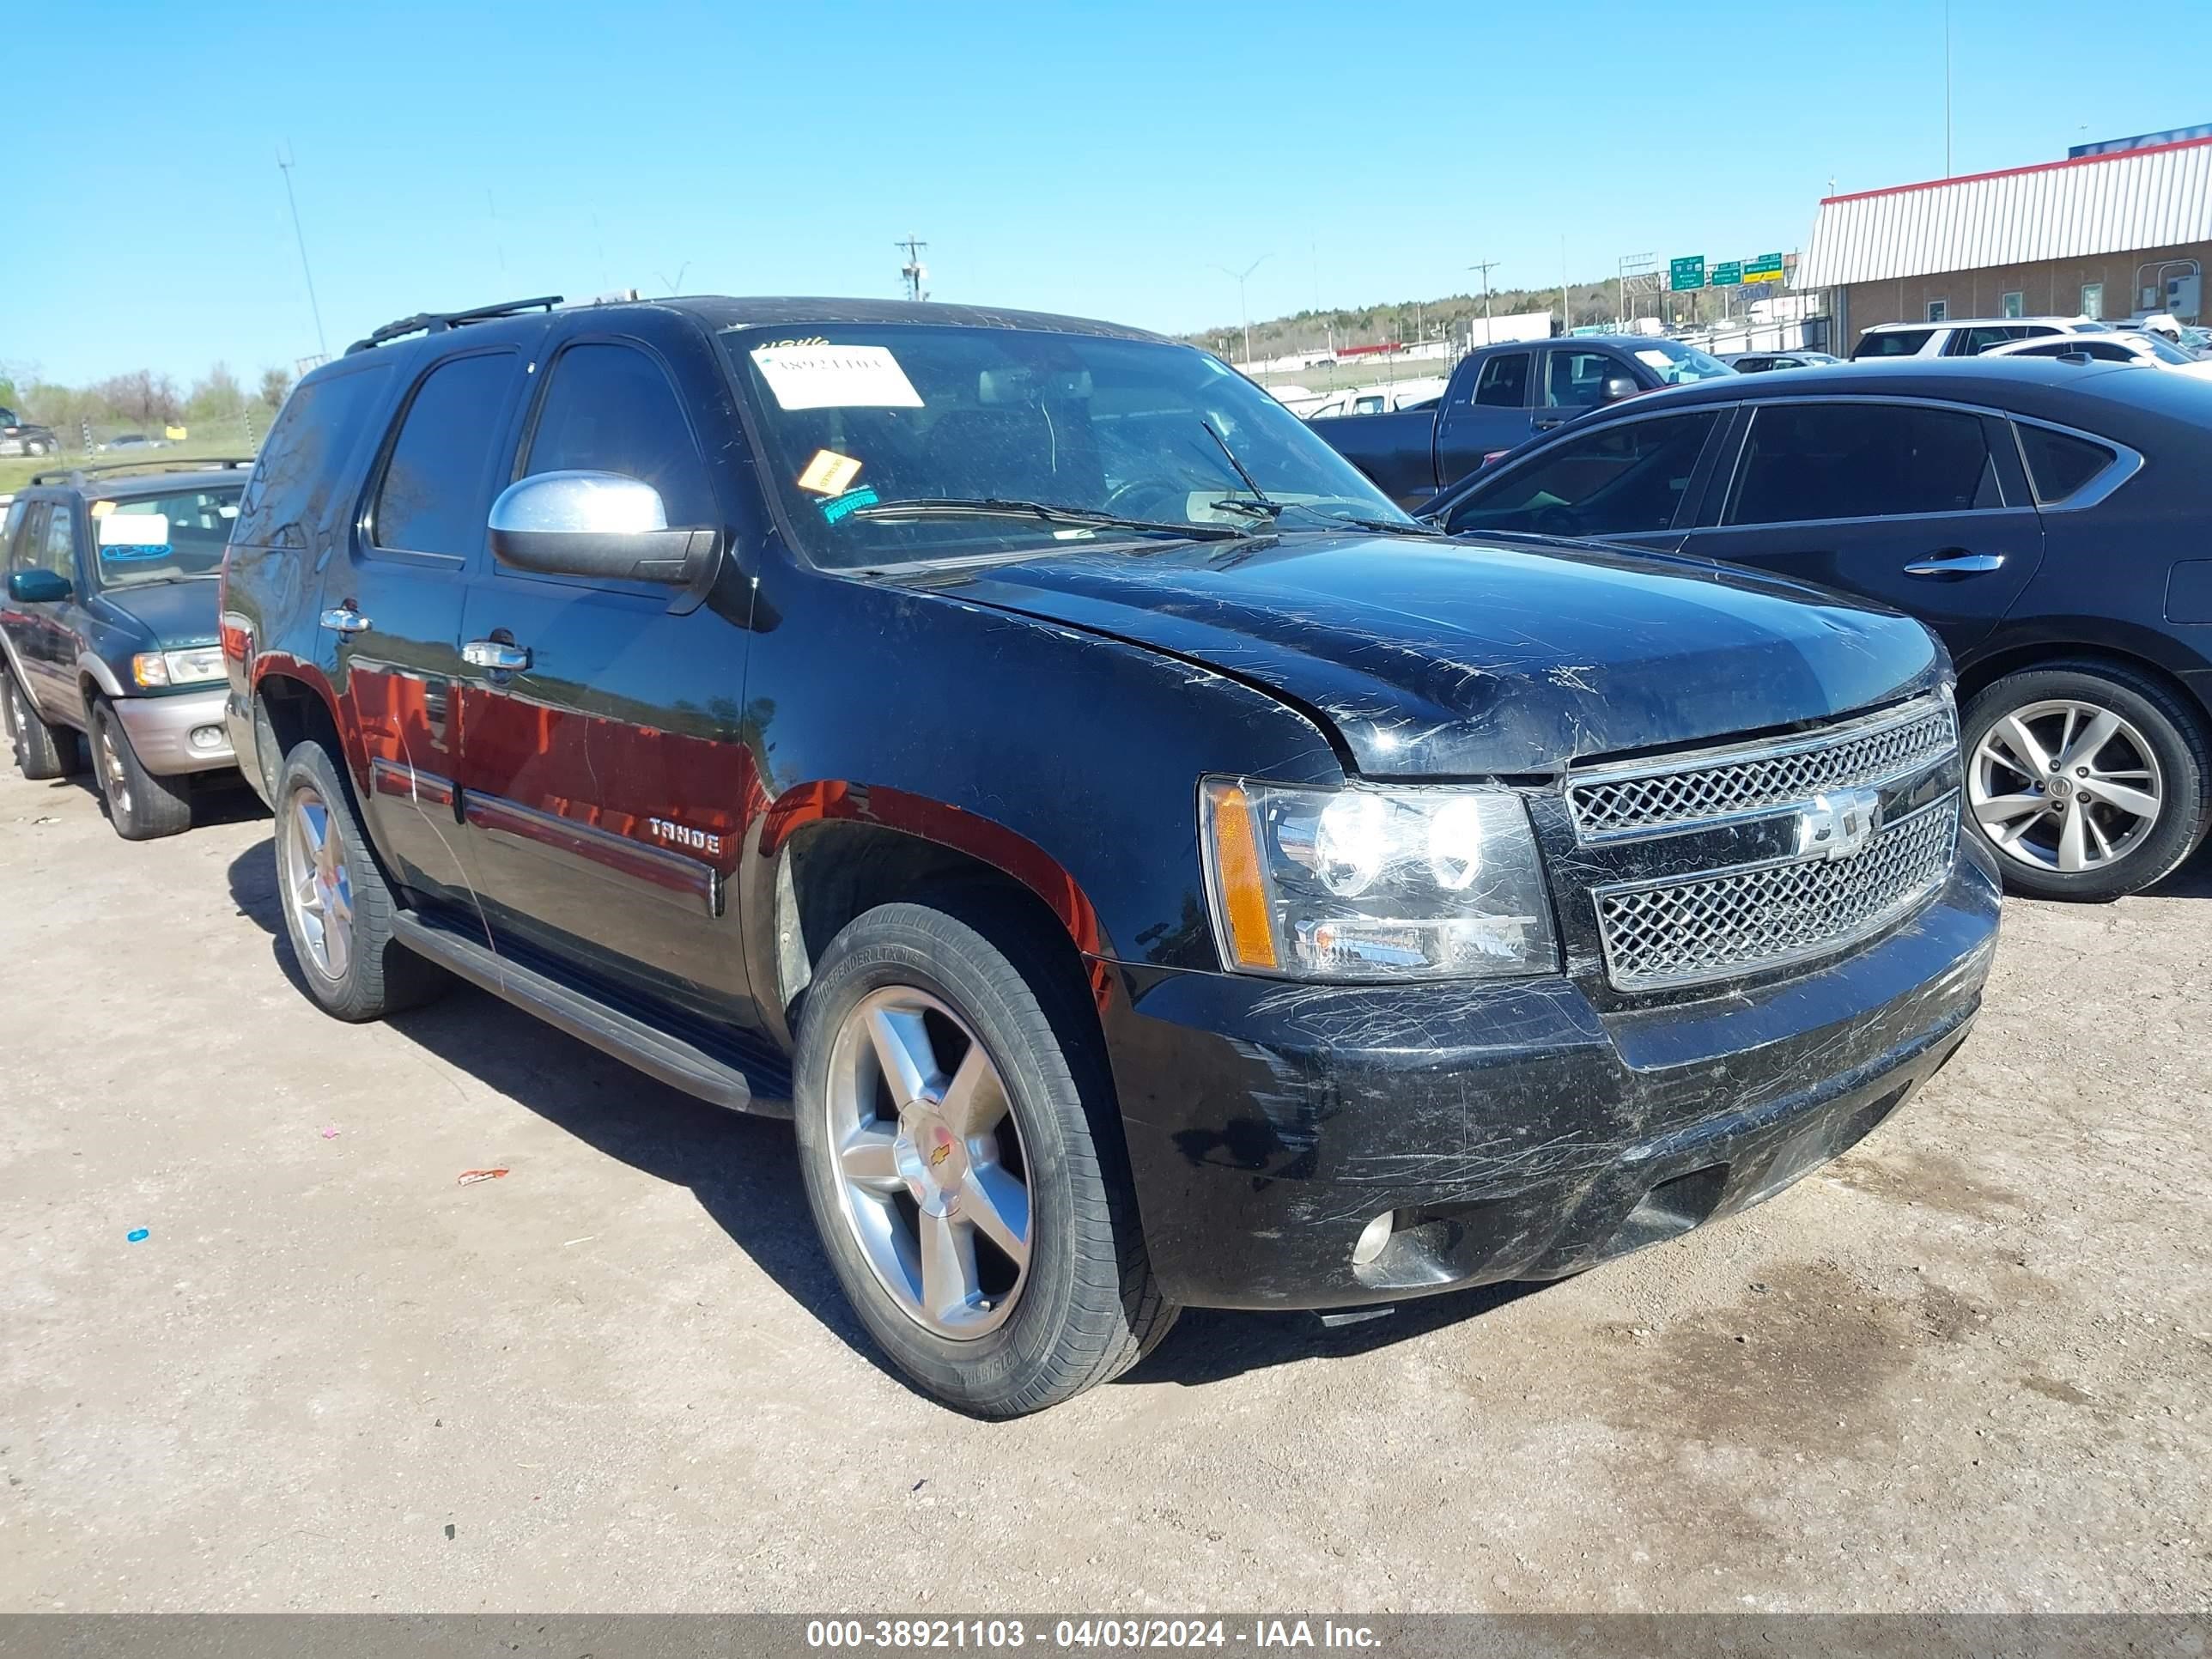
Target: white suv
{"points": [[1967, 338]]}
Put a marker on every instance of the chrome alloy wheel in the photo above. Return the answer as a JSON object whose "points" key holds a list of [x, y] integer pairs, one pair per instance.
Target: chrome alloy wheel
{"points": [[931, 1174], [2064, 785], [111, 767], [317, 887]]}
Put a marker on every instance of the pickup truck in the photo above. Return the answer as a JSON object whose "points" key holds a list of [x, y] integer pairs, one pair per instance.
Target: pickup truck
{"points": [[1148, 869], [20, 437], [1500, 397]]}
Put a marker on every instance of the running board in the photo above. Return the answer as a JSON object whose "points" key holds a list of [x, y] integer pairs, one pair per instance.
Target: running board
{"points": [[657, 1053]]}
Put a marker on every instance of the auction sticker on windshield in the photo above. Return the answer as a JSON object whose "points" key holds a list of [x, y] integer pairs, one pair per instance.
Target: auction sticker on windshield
{"points": [[134, 535], [836, 377]]}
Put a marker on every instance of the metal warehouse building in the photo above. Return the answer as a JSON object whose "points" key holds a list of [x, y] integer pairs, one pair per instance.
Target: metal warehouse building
{"points": [[2113, 234]]}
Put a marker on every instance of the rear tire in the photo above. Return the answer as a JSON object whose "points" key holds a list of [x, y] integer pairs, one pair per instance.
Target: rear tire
{"points": [[140, 805], [2149, 784], [338, 906], [1041, 1309], [42, 751]]}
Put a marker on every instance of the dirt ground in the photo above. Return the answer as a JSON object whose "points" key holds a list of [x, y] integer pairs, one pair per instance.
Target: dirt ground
{"points": [[1964, 1368]]}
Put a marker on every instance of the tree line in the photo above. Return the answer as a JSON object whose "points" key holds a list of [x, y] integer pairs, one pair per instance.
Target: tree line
{"points": [[143, 397]]}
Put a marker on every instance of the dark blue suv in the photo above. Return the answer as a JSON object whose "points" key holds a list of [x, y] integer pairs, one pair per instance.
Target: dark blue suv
{"points": [[108, 632]]}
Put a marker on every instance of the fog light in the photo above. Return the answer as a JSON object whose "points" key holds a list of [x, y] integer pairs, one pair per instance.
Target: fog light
{"points": [[206, 737], [1372, 1238]]}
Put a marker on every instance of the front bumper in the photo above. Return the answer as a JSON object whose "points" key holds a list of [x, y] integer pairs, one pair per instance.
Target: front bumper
{"points": [[1517, 1131], [161, 731]]}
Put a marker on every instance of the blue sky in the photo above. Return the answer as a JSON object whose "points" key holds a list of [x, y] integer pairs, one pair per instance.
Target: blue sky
{"points": [[1096, 160]]}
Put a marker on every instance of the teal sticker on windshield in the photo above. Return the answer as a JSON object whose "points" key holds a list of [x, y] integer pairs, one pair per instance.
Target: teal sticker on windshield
{"points": [[134, 536], [838, 506]]}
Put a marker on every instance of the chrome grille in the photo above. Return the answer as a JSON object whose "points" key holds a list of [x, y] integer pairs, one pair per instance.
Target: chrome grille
{"points": [[1720, 923], [1645, 798]]}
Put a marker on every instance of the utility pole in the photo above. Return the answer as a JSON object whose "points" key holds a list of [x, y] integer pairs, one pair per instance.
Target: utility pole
{"points": [[284, 165], [914, 271], [1485, 266], [1243, 311], [1566, 317], [1947, 88]]}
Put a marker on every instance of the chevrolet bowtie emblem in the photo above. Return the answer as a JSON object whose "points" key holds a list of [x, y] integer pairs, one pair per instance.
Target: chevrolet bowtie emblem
{"points": [[1840, 823]]}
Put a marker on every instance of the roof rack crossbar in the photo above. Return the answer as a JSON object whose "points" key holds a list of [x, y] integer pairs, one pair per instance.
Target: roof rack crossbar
{"points": [[437, 322], [76, 474]]}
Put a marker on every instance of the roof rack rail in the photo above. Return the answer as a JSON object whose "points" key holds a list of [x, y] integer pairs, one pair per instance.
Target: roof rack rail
{"points": [[437, 322], [78, 474]]}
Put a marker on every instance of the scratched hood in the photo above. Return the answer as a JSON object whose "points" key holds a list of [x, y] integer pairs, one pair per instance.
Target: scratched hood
{"points": [[1436, 659]]}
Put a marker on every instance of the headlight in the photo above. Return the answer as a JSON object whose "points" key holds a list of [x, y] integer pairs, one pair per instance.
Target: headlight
{"points": [[1375, 884], [177, 667]]}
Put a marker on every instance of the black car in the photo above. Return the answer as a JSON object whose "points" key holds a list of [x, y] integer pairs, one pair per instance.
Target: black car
{"points": [[20, 437], [1151, 869], [108, 632], [2047, 520]]}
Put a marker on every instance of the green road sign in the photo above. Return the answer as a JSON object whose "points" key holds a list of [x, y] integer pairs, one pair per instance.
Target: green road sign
{"points": [[1767, 267], [1687, 273], [1728, 276]]}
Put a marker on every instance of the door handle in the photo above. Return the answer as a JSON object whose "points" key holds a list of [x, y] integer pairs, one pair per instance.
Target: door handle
{"points": [[1544, 426], [496, 655], [1953, 562], [345, 619]]}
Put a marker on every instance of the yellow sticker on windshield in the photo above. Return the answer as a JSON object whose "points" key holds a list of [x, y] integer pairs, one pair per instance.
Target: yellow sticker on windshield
{"points": [[101, 509], [830, 473]]}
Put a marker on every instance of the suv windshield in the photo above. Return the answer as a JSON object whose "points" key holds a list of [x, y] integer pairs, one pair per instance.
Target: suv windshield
{"points": [[894, 443], [1676, 364], [156, 538]]}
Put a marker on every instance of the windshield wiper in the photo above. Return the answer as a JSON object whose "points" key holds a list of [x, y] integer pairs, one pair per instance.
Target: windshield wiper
{"points": [[992, 506], [1270, 509]]}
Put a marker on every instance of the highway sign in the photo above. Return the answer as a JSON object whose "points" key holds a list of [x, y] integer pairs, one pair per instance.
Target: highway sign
{"points": [[1767, 267], [1727, 275], [1687, 273]]}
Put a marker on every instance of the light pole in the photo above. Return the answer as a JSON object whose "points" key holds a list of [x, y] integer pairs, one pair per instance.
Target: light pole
{"points": [[1243, 311]]}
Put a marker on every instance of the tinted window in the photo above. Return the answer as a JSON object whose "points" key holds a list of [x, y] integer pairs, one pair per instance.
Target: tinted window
{"points": [[26, 536], [1862, 461], [1576, 380], [300, 466], [2059, 464], [1615, 481], [1504, 382], [437, 487], [610, 409], [1972, 341], [1892, 342]]}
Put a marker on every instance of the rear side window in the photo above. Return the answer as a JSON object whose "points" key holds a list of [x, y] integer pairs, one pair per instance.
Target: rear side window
{"points": [[437, 487], [17, 511], [1503, 381], [1809, 461], [2058, 463], [1893, 342], [298, 469], [610, 409]]}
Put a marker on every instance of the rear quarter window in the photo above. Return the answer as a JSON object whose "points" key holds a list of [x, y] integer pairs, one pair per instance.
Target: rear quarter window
{"points": [[1895, 342], [300, 466], [2060, 465]]}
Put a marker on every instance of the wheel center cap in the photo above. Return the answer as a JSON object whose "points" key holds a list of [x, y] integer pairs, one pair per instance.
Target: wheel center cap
{"points": [[931, 1160], [2062, 788]]}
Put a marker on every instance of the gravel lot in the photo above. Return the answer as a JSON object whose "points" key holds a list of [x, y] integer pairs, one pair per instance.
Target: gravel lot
{"points": [[1964, 1368]]}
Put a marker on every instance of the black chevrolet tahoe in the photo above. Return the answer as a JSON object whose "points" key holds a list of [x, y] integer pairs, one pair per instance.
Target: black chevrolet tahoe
{"points": [[1149, 868]]}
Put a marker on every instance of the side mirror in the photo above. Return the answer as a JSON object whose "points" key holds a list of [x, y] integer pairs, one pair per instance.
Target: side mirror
{"points": [[37, 586], [600, 525], [1616, 387]]}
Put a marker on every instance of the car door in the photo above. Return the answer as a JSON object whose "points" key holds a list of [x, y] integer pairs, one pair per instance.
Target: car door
{"points": [[21, 535], [1922, 506], [1488, 414], [392, 608], [46, 634], [605, 776], [1632, 480]]}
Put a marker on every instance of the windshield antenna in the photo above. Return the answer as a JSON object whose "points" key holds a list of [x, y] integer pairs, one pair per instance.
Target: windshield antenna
{"points": [[1250, 482]]}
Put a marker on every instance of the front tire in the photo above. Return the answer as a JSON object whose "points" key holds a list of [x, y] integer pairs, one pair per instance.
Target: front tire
{"points": [[965, 1167], [337, 907], [42, 751], [2089, 780], [140, 805]]}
